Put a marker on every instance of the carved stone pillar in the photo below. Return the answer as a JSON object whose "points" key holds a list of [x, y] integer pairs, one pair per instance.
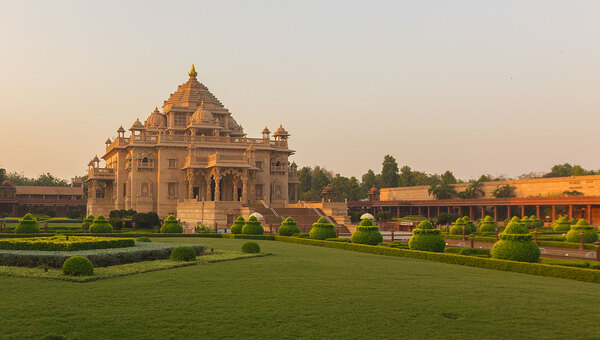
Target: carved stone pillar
{"points": [[235, 189], [245, 176], [190, 179], [217, 176]]}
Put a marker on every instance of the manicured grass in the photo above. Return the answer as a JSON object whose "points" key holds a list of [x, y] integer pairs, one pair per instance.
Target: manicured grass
{"points": [[303, 292]]}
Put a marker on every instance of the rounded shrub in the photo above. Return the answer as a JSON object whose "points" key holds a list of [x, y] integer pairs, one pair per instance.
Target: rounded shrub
{"points": [[515, 244], [487, 224], [183, 253], [101, 226], [288, 227], [171, 226], [589, 234], [427, 238], [469, 225], [250, 247], [562, 224], [77, 265], [526, 222], [367, 233], [27, 225], [238, 224], [143, 239], [457, 227], [322, 230], [87, 222], [253, 227]]}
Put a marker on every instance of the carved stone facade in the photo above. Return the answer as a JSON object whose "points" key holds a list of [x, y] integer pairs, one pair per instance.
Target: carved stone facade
{"points": [[192, 151]]}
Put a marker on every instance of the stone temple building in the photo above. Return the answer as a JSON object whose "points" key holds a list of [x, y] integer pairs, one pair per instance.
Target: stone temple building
{"points": [[193, 159]]}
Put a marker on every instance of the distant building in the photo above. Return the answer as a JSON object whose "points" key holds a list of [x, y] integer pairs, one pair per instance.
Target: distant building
{"points": [[20, 200], [547, 198]]}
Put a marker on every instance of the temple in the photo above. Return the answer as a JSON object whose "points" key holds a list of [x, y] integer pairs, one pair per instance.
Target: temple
{"points": [[194, 160]]}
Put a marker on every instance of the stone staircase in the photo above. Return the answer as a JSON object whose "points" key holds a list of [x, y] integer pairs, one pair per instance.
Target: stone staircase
{"points": [[304, 217]]}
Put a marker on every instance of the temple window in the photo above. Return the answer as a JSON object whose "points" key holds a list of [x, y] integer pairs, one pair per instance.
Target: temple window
{"points": [[259, 165], [172, 189], [172, 163]]}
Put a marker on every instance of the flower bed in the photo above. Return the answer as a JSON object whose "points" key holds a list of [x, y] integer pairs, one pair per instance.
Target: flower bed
{"points": [[61, 243]]}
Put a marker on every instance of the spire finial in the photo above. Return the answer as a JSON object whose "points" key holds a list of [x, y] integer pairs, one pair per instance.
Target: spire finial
{"points": [[193, 72], [156, 108]]}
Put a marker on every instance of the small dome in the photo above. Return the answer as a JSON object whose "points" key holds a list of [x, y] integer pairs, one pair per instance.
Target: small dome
{"points": [[202, 115], [7, 183], [137, 125], [367, 215], [266, 131], [374, 190], [96, 159], [281, 132], [257, 215], [121, 129], [155, 120], [328, 190], [108, 141]]}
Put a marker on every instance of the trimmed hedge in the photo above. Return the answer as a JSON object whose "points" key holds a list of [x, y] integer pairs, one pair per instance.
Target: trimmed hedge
{"points": [[238, 224], [27, 225], [253, 227], [250, 247], [183, 253], [60, 243], [171, 226], [99, 257], [101, 226], [78, 265], [288, 227], [561, 224], [322, 230], [589, 234], [426, 238], [143, 239], [571, 273], [367, 233]]}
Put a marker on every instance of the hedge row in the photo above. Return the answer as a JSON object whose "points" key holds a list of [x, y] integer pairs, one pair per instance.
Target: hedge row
{"points": [[60, 243], [99, 257], [579, 274]]}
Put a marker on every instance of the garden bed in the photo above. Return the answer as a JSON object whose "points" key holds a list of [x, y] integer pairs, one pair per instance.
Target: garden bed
{"points": [[100, 257], [124, 269], [64, 243]]}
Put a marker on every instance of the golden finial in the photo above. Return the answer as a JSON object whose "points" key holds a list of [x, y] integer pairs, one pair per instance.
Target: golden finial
{"points": [[193, 72], [156, 108]]}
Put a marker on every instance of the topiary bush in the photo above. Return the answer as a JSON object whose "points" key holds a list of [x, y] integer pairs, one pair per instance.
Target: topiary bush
{"points": [[250, 247], [487, 224], [183, 253], [536, 222], [427, 238], [469, 225], [562, 224], [101, 226], [367, 233], [253, 227], [78, 265], [457, 229], [526, 222], [322, 230], [288, 227], [589, 234], [238, 224], [87, 222], [171, 226], [515, 244], [27, 225]]}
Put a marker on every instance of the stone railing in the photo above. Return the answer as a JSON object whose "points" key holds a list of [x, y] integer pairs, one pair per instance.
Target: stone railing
{"points": [[101, 173]]}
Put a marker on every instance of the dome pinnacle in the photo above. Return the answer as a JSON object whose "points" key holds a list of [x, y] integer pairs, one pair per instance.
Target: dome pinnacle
{"points": [[193, 72]]}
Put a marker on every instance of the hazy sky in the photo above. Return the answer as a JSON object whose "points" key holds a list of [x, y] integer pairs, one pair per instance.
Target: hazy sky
{"points": [[499, 87]]}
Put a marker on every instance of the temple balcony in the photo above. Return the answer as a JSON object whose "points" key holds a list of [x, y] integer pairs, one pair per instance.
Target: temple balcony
{"points": [[118, 143], [101, 174]]}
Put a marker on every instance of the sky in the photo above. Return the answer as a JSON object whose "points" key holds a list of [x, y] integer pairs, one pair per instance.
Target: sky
{"points": [[474, 87]]}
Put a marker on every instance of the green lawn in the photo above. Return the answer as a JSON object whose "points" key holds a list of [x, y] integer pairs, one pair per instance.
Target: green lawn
{"points": [[307, 292]]}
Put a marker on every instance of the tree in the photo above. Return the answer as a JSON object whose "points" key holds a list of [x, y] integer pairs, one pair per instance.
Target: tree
{"points": [[305, 178], [406, 178], [46, 179], [504, 191], [473, 190], [2, 175], [448, 177], [442, 191], [389, 172], [369, 180]]}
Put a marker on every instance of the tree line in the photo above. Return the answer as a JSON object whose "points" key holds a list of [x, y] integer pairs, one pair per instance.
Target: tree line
{"points": [[441, 186]]}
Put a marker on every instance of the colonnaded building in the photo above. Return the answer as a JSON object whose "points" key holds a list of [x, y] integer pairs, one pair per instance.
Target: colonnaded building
{"points": [[194, 160]]}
